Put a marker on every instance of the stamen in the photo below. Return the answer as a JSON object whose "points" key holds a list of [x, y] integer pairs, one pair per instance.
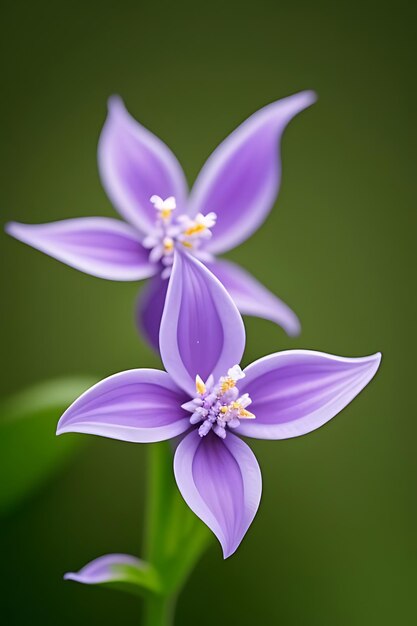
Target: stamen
{"points": [[220, 430], [171, 232], [243, 413], [227, 383], [219, 407], [205, 428], [164, 207], [168, 244], [166, 213], [199, 385], [193, 230], [235, 372]]}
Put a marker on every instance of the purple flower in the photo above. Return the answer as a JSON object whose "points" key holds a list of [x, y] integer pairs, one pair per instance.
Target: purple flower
{"points": [[230, 199], [205, 397]]}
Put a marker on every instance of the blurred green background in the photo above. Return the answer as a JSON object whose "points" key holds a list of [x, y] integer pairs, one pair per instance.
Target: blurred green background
{"points": [[334, 542]]}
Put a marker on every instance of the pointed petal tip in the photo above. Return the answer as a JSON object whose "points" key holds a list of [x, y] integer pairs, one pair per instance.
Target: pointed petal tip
{"points": [[114, 102], [310, 96], [252, 298], [228, 551], [59, 429], [293, 328], [13, 229], [63, 429], [298, 102], [372, 363], [376, 360]]}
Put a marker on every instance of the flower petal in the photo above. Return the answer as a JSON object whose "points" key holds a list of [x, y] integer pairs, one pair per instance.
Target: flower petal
{"points": [[252, 298], [137, 405], [99, 246], [105, 569], [121, 571], [240, 180], [135, 165], [201, 329], [221, 482], [149, 309], [297, 391]]}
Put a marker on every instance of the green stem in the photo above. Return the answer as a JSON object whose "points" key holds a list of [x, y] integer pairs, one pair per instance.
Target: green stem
{"points": [[158, 611], [158, 608], [174, 537], [160, 477]]}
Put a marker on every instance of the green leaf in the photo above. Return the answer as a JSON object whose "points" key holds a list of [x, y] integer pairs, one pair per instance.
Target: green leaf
{"points": [[136, 579], [30, 452]]}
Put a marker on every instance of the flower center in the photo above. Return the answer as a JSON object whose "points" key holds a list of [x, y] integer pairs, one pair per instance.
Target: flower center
{"points": [[175, 230], [218, 406]]}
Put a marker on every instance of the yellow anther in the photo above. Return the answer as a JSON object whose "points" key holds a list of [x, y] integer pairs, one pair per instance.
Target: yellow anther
{"points": [[223, 409], [199, 385], [187, 244], [246, 414], [194, 229], [166, 213], [227, 383], [168, 245]]}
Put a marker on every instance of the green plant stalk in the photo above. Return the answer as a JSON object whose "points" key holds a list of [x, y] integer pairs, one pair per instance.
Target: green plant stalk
{"points": [[174, 537], [158, 610], [158, 500]]}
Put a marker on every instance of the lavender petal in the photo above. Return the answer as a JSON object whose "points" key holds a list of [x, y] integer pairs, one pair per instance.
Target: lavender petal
{"points": [[221, 482], [240, 180], [201, 329], [105, 569], [141, 406], [297, 391], [252, 298], [135, 165], [99, 246], [149, 309]]}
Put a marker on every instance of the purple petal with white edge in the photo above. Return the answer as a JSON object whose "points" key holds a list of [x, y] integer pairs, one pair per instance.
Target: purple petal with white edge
{"points": [[149, 308], [135, 165], [297, 391], [105, 569], [221, 482], [240, 180], [201, 329], [252, 298], [141, 406], [99, 246]]}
